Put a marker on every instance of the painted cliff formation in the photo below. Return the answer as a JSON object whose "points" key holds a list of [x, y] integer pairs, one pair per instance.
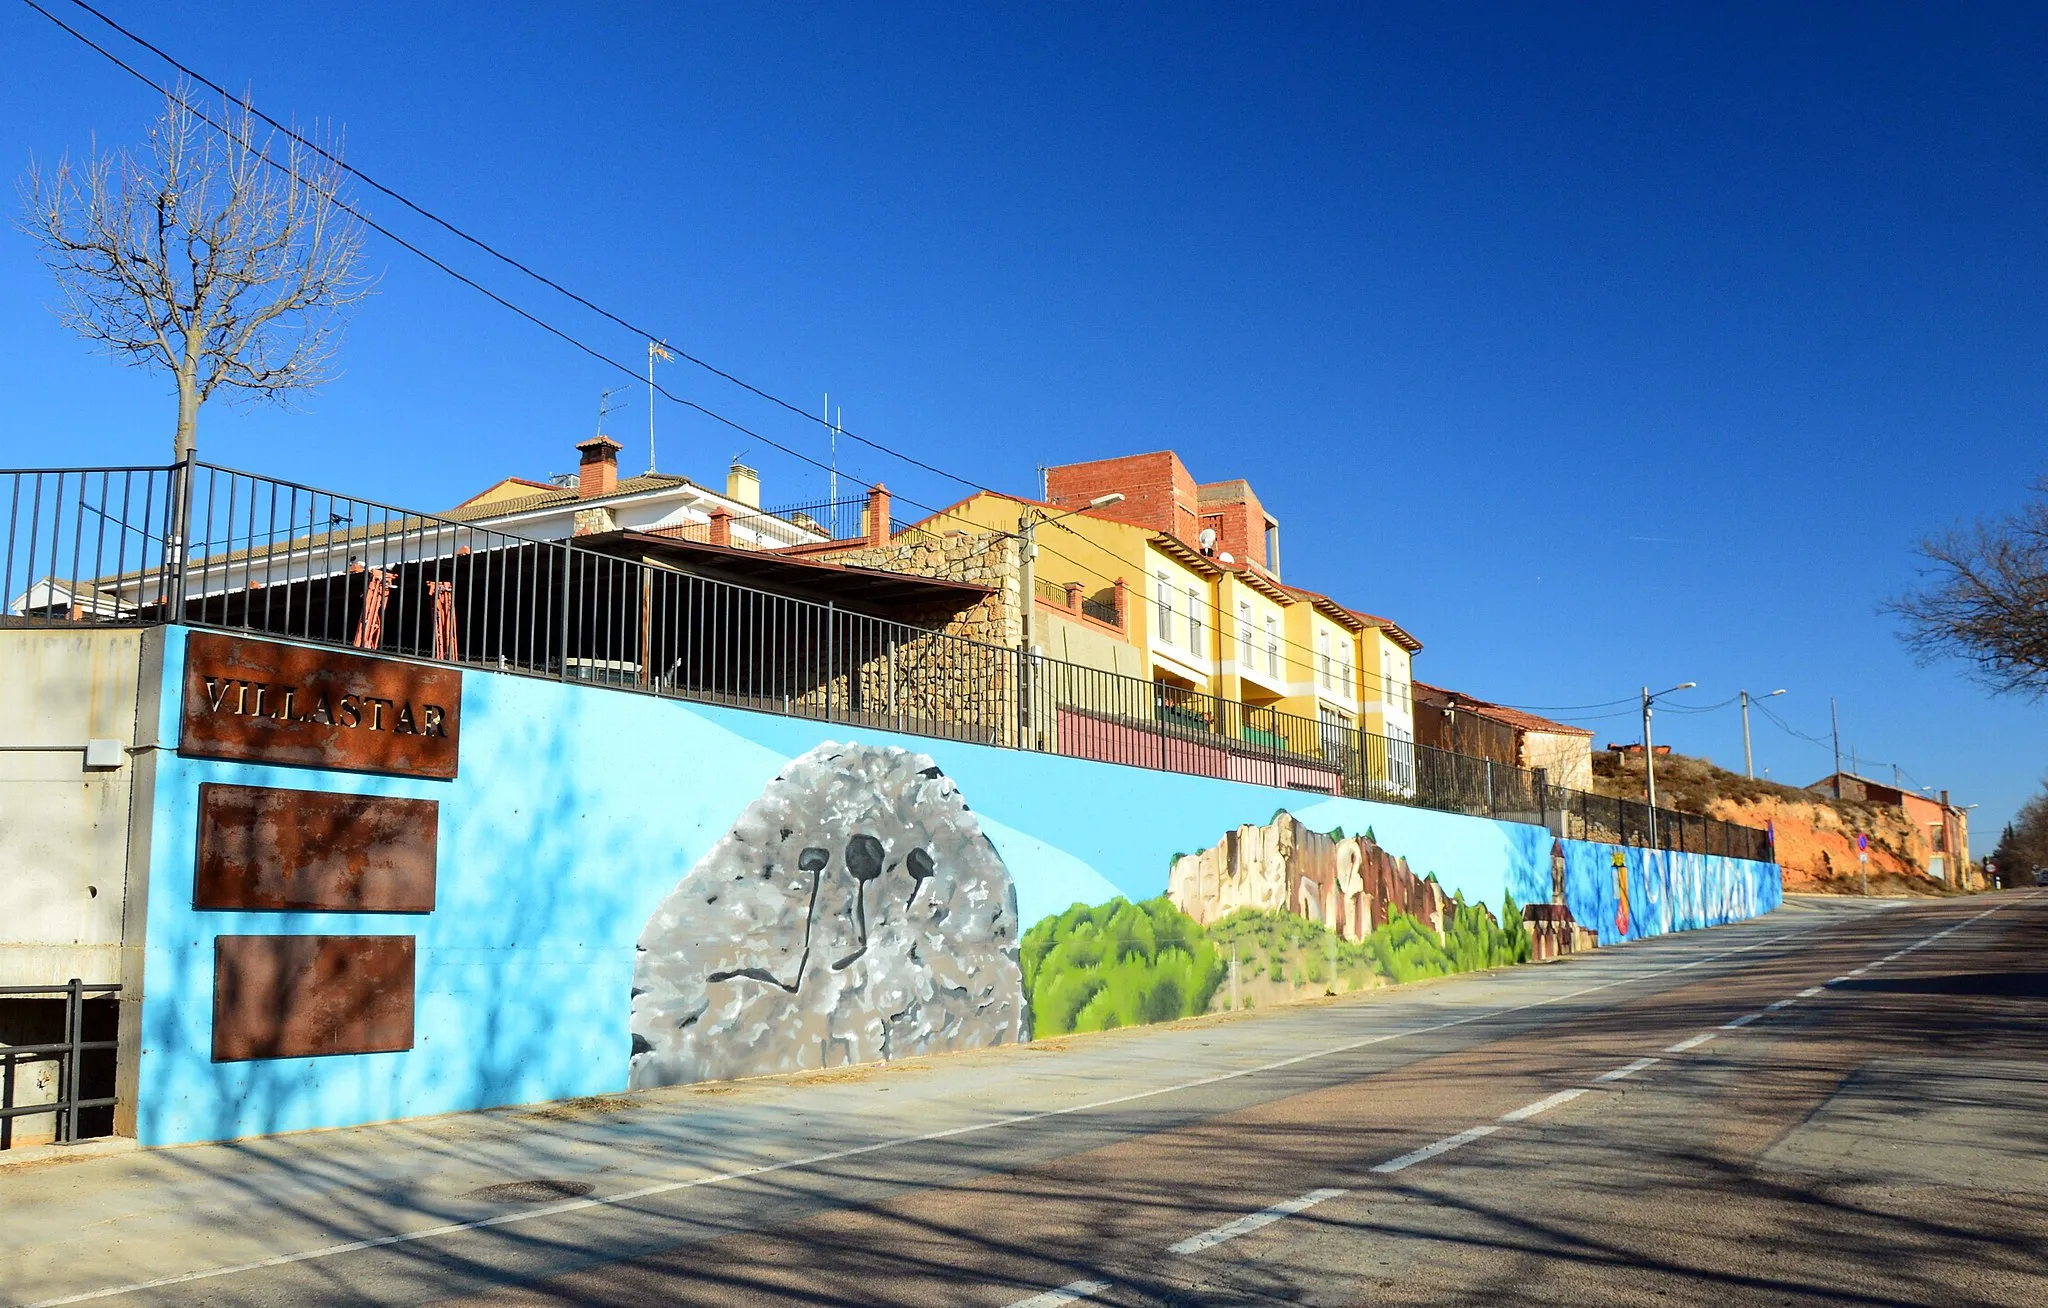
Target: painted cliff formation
{"points": [[1348, 884], [855, 911]]}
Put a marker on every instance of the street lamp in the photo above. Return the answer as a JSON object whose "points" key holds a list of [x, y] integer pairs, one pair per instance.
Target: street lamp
{"points": [[1748, 767], [1650, 753], [1027, 538], [1027, 598]]}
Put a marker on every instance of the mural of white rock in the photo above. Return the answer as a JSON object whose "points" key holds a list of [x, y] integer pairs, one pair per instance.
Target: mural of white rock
{"points": [[854, 912]]}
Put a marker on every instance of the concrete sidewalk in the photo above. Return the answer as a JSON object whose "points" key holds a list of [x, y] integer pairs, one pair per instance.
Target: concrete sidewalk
{"points": [[91, 1225]]}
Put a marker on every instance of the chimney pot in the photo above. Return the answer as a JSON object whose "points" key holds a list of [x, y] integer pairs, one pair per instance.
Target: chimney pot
{"points": [[598, 473]]}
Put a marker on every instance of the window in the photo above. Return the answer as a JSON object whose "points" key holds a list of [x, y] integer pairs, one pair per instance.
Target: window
{"points": [[1273, 647], [1165, 623], [1346, 682], [1244, 633], [1336, 734], [1323, 656], [1194, 621], [1401, 757]]}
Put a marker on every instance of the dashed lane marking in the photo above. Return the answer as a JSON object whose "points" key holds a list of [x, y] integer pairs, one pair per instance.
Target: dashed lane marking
{"points": [[1744, 1020], [1691, 1042], [1543, 1105], [1631, 1069], [1065, 1294], [1443, 1146], [1252, 1222]]}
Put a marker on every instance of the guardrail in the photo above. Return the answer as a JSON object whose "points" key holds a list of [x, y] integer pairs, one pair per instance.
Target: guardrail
{"points": [[68, 1053], [219, 548]]}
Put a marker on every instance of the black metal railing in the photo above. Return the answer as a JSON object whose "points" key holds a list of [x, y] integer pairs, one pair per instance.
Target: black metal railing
{"points": [[85, 544], [69, 1054], [260, 555]]}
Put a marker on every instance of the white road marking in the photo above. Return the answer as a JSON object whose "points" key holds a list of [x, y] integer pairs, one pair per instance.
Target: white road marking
{"points": [[1744, 1020], [1442, 1146], [1065, 1294], [1543, 1105], [1691, 1042], [1861, 970], [812, 1160], [1621, 1072], [1782, 1003], [1837, 981], [1809, 992], [1246, 1225]]}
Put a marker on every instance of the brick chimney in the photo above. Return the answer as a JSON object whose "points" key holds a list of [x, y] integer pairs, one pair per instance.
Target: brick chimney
{"points": [[877, 515], [598, 474]]}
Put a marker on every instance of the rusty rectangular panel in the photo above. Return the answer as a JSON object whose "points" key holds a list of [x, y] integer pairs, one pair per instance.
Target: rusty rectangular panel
{"points": [[298, 996], [263, 848], [263, 702]]}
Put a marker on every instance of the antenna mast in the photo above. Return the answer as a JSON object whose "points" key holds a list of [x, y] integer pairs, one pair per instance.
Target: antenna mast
{"points": [[832, 464], [655, 350]]}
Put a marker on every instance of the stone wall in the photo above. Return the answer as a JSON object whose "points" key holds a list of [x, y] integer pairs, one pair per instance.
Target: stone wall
{"points": [[978, 559], [960, 679]]}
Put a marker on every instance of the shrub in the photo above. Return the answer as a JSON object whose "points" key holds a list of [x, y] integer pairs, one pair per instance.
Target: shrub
{"points": [[1117, 964]]}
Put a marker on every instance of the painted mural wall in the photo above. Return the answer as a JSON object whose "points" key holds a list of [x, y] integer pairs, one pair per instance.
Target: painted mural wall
{"points": [[637, 892]]}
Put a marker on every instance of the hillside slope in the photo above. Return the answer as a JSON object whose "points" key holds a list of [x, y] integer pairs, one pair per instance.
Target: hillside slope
{"points": [[1816, 834]]}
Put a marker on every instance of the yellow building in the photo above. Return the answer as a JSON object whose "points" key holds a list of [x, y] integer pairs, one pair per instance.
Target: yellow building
{"points": [[1139, 571]]}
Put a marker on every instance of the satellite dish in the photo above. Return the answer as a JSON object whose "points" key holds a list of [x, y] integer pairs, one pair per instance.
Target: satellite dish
{"points": [[1207, 540], [1225, 558]]}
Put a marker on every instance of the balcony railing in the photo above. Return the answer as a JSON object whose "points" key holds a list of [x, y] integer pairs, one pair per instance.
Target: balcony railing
{"points": [[213, 547]]}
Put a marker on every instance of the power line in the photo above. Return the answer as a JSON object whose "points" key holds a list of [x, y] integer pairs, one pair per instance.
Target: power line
{"points": [[505, 303], [1568, 708], [531, 317], [491, 250], [1216, 613]]}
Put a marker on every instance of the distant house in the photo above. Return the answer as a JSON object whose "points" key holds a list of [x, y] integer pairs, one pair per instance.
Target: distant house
{"points": [[1943, 828], [1466, 724]]}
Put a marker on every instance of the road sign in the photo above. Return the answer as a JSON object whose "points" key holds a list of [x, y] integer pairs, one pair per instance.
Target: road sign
{"points": [[1862, 843]]}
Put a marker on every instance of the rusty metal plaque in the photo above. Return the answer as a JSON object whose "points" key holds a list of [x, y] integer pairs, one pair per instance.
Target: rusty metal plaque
{"points": [[300, 996], [262, 702], [310, 850]]}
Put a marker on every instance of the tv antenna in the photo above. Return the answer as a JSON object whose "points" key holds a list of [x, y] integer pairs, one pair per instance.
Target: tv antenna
{"points": [[604, 406]]}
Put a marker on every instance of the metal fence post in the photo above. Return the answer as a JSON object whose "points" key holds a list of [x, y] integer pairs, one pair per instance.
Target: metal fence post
{"points": [[68, 1096]]}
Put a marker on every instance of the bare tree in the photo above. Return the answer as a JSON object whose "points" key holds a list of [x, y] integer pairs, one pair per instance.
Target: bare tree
{"points": [[1984, 599], [2024, 847], [222, 253]]}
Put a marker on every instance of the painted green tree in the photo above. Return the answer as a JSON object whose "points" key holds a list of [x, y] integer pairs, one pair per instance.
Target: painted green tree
{"points": [[1117, 964]]}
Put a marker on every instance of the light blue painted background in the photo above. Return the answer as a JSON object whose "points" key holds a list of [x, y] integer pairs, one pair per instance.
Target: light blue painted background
{"points": [[577, 809]]}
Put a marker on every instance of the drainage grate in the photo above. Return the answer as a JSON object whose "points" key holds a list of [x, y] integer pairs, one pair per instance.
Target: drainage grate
{"points": [[531, 1192]]}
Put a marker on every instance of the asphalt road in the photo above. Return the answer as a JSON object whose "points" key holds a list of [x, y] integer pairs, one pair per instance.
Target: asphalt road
{"points": [[1841, 1103]]}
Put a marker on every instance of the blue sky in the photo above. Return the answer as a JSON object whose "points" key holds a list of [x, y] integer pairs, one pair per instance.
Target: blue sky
{"points": [[1599, 345]]}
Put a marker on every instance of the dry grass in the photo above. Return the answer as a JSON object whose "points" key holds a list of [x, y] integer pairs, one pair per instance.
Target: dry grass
{"points": [[1691, 785]]}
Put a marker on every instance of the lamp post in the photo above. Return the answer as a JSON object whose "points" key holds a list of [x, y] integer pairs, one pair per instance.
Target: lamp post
{"points": [[1650, 753], [1027, 539], [1748, 764], [1027, 599]]}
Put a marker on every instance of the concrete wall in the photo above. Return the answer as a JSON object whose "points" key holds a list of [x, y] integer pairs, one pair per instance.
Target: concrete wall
{"points": [[619, 899], [63, 829], [66, 839]]}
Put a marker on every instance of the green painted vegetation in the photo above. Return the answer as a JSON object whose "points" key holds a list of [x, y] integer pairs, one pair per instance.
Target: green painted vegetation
{"points": [[1125, 964], [1117, 964], [1288, 949]]}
